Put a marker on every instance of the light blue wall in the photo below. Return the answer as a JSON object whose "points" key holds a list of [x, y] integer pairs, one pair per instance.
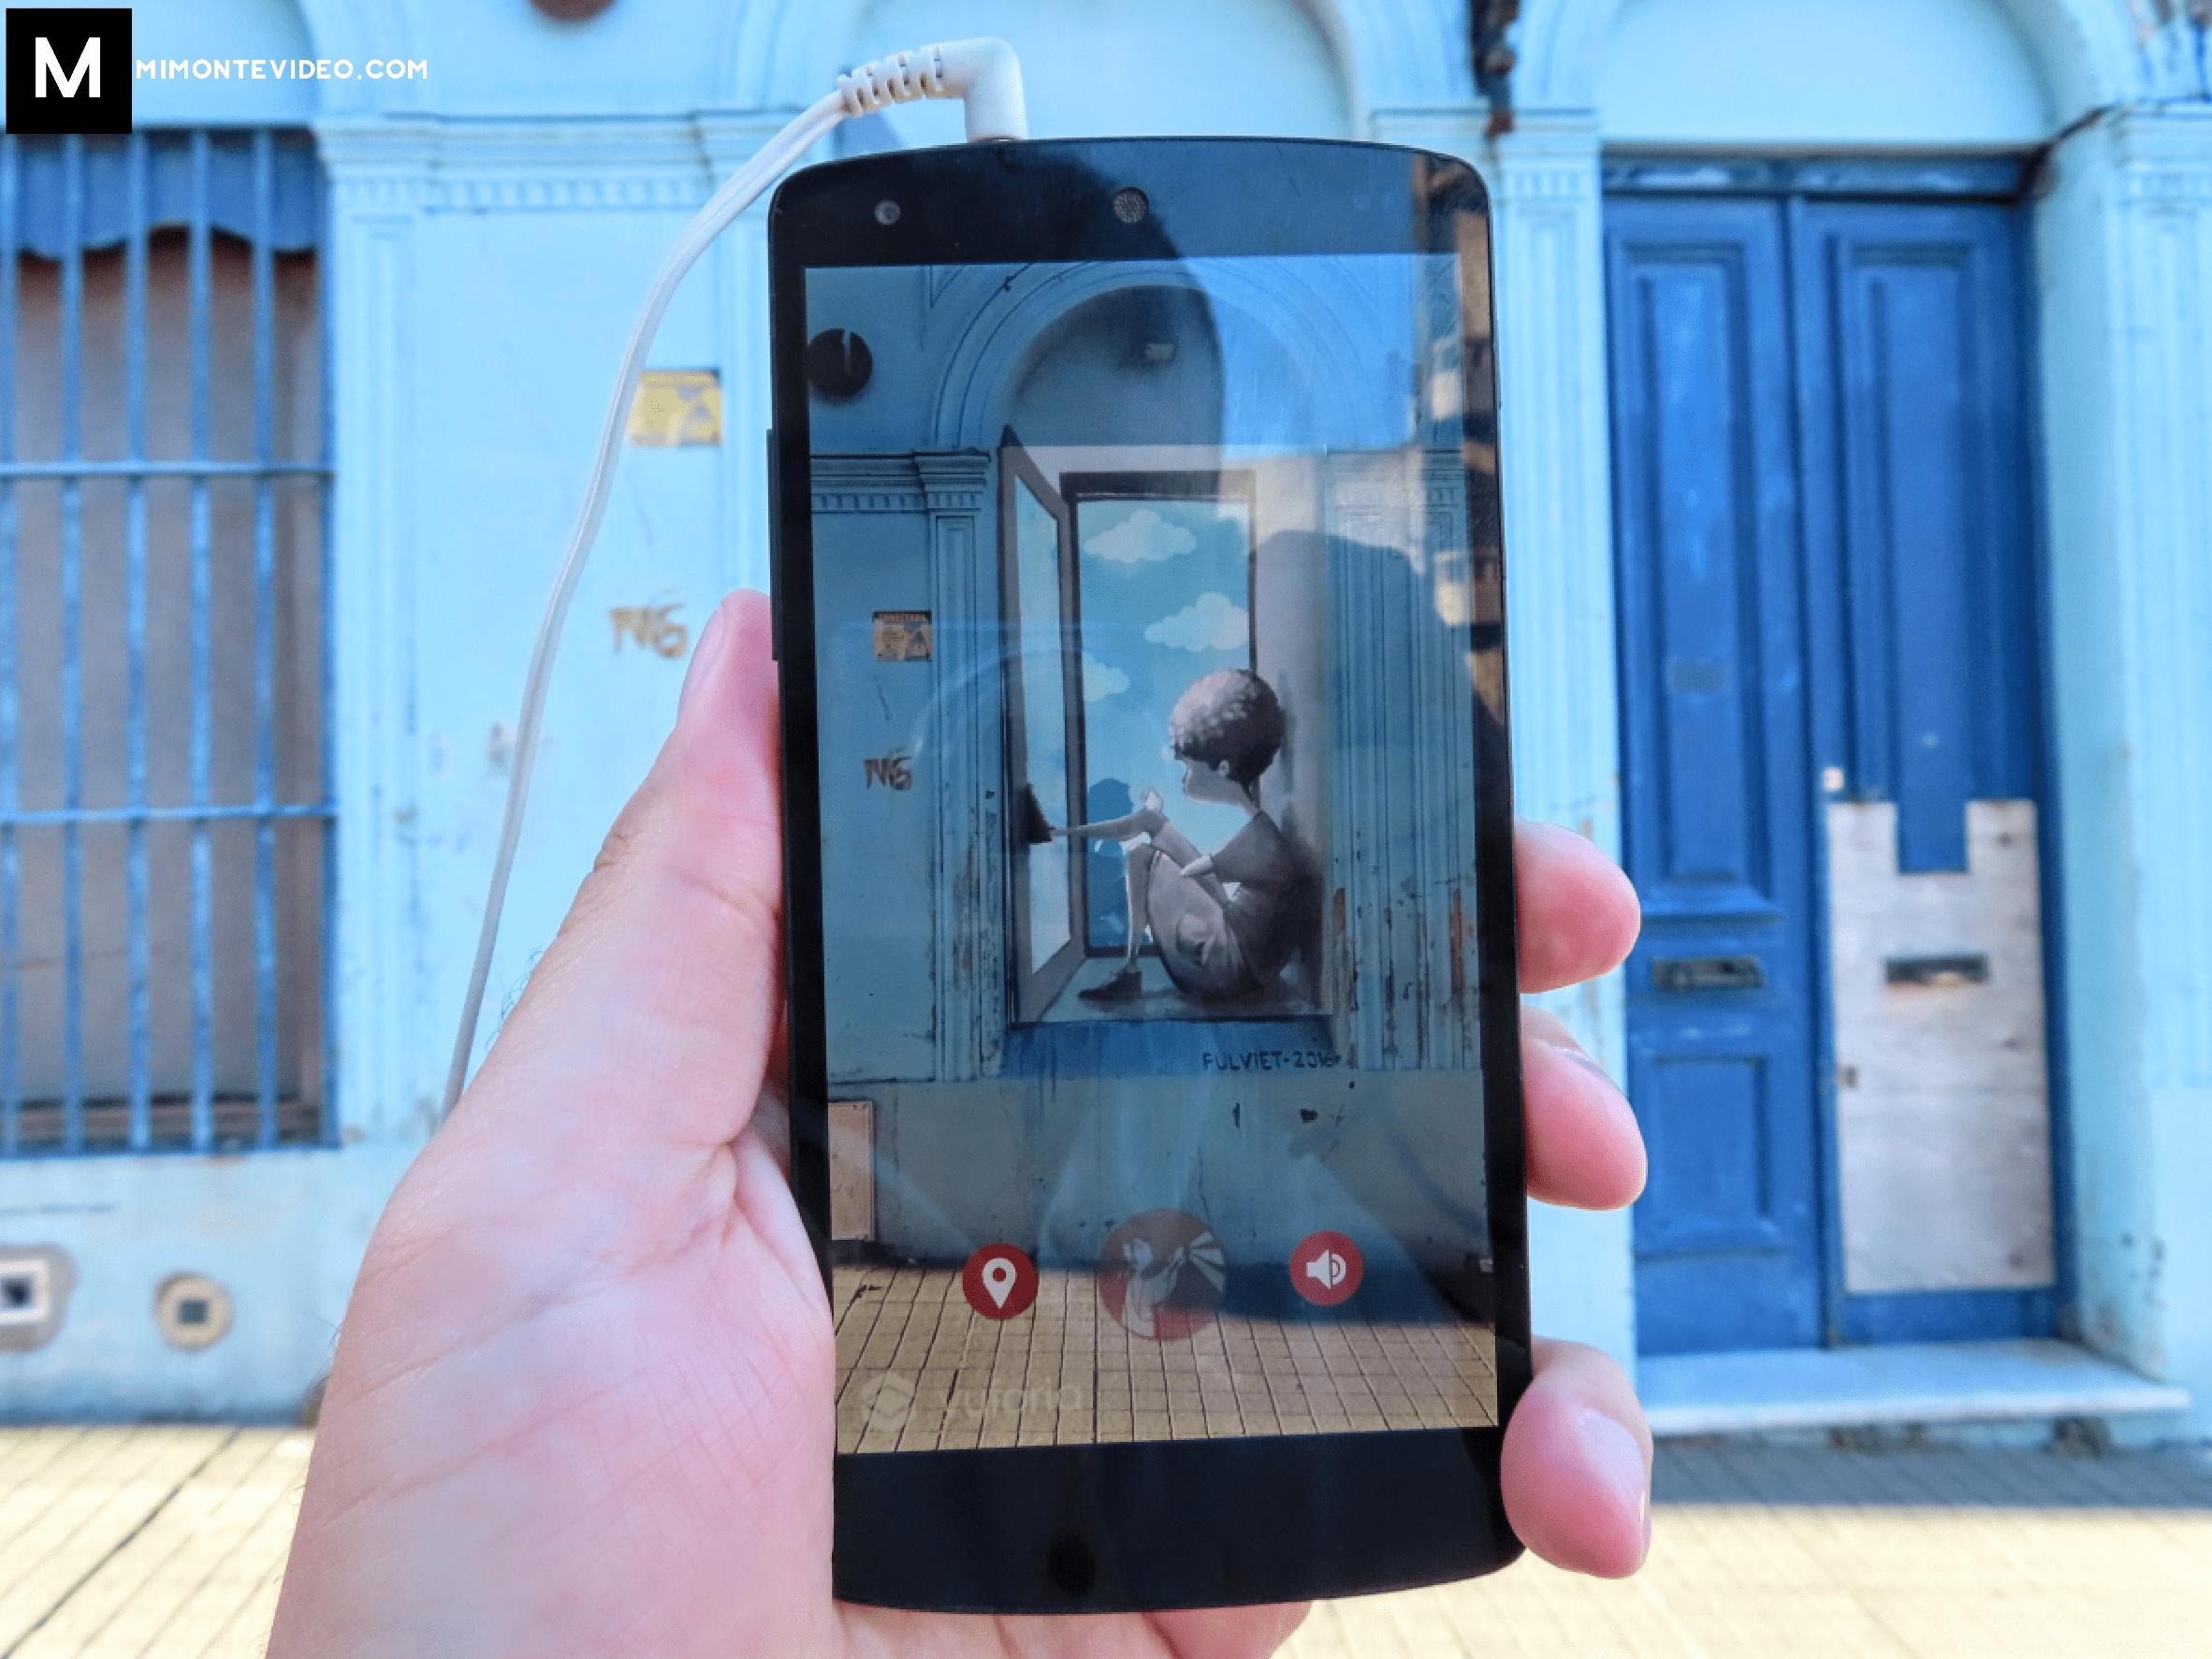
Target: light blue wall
{"points": [[1090, 70], [488, 251], [1743, 73], [447, 213], [2125, 271]]}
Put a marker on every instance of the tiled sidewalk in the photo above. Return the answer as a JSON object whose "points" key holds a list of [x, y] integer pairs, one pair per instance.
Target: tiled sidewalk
{"points": [[168, 1542], [160, 1540], [1763, 1552]]}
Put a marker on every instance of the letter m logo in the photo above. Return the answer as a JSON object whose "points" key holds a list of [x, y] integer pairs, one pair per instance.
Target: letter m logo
{"points": [[68, 69], [47, 68]]}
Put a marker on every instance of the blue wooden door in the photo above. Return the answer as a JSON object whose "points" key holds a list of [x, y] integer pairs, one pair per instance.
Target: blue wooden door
{"points": [[1717, 790], [1826, 557]]}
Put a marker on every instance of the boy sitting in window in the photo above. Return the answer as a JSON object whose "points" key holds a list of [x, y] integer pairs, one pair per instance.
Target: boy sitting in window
{"points": [[1226, 728]]}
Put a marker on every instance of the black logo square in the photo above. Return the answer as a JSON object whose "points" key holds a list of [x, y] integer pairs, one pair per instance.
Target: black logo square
{"points": [[68, 69]]}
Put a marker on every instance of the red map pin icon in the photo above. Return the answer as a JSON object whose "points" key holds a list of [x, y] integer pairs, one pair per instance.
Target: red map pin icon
{"points": [[999, 1282]]}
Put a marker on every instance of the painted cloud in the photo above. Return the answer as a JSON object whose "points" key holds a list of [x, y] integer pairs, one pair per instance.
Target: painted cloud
{"points": [[1143, 538], [1211, 622], [1102, 680]]}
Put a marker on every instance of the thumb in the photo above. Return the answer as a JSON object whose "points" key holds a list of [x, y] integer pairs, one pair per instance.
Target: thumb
{"points": [[651, 1018]]}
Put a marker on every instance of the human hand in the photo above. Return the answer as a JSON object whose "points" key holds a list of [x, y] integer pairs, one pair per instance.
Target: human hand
{"points": [[583, 1400]]}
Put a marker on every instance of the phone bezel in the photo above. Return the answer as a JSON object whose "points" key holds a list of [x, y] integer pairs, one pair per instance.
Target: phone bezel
{"points": [[1114, 1526]]}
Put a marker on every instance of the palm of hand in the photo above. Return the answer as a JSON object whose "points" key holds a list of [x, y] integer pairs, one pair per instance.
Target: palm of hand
{"points": [[585, 1398], [629, 1419]]}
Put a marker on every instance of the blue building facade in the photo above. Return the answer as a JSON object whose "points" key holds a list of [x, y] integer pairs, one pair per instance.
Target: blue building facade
{"points": [[1858, 472]]}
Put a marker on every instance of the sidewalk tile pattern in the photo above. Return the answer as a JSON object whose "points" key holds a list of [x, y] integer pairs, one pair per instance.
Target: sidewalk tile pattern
{"points": [[120, 1543]]}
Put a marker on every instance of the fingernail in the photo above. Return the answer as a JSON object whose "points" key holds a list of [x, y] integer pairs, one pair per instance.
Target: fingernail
{"points": [[712, 638], [1617, 1457]]}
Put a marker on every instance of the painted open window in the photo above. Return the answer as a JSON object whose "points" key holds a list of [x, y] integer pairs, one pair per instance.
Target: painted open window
{"points": [[1155, 873], [1164, 563]]}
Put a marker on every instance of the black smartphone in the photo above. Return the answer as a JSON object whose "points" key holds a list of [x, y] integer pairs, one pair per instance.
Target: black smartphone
{"points": [[1154, 1057]]}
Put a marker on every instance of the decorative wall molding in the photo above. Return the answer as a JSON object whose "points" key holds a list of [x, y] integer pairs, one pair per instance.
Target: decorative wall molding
{"points": [[2125, 258], [859, 499], [1391, 52], [958, 482], [954, 482], [531, 166], [738, 268], [383, 1077], [731, 138], [366, 191], [2162, 155], [869, 501], [1555, 462], [1555, 457], [2094, 53], [2161, 340]]}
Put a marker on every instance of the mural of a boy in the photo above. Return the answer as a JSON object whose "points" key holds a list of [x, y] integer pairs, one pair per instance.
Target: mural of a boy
{"points": [[1227, 729]]}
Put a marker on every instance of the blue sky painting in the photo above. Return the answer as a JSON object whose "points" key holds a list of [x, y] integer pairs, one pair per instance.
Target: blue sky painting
{"points": [[1166, 597]]}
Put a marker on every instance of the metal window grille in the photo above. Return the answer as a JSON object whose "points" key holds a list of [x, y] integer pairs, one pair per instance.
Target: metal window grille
{"points": [[164, 837]]}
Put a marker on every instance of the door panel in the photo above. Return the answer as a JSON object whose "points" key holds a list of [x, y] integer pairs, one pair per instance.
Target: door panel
{"points": [[1919, 539], [1719, 1174], [1713, 691]]}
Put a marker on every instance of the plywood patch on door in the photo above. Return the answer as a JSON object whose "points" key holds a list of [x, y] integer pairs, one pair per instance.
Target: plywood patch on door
{"points": [[1942, 1114]]}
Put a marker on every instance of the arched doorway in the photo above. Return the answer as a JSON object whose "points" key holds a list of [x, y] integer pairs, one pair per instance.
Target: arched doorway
{"points": [[1831, 687]]}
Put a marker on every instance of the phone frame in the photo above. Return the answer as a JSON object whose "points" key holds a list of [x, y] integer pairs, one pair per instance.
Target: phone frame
{"points": [[1147, 1525]]}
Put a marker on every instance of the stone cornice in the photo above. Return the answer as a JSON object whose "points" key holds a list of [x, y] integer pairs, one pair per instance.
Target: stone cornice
{"points": [[536, 165], [947, 481], [1549, 154], [2164, 152]]}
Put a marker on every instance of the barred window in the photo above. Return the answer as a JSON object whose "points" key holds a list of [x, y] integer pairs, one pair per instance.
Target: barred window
{"points": [[164, 811]]}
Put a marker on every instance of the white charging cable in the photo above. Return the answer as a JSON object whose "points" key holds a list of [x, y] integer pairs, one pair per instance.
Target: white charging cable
{"points": [[987, 78]]}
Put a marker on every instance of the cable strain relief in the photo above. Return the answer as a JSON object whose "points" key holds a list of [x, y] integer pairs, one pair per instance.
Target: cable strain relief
{"points": [[983, 74], [902, 78]]}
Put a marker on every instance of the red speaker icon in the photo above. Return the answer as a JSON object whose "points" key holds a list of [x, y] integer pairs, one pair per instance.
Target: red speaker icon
{"points": [[1326, 1268]]}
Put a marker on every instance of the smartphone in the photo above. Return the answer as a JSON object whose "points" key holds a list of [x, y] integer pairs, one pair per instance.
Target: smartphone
{"points": [[1153, 1062]]}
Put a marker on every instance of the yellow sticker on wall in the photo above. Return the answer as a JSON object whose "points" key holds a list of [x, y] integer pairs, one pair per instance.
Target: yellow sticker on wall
{"points": [[676, 408], [903, 637]]}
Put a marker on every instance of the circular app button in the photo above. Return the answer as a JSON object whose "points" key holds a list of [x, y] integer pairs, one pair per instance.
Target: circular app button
{"points": [[999, 1282], [1325, 1268], [1161, 1275]]}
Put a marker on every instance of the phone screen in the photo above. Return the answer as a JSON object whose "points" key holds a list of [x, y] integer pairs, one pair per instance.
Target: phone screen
{"points": [[1155, 604]]}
